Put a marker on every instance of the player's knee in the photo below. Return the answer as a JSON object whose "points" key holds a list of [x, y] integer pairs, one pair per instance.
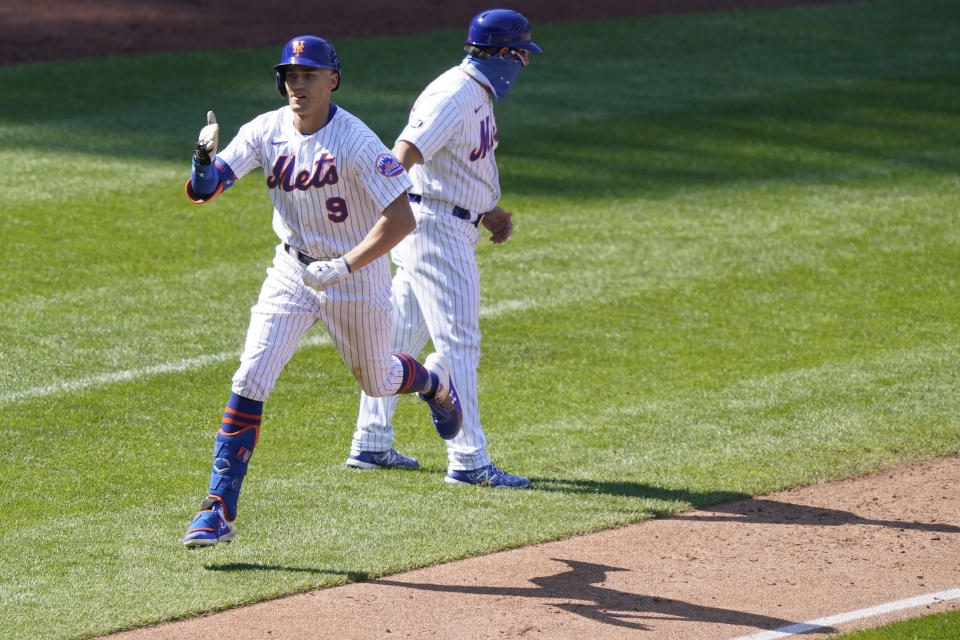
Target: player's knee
{"points": [[373, 386], [374, 390], [251, 388]]}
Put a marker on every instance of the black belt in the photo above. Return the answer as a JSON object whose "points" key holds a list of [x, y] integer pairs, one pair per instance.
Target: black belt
{"points": [[302, 257], [459, 212]]}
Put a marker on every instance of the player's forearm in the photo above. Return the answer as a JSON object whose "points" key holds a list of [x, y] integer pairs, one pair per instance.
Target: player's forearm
{"points": [[382, 238], [223, 178], [407, 153], [396, 222]]}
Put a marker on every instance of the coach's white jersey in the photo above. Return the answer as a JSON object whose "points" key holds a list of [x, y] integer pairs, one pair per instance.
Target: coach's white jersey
{"points": [[328, 188], [453, 127]]}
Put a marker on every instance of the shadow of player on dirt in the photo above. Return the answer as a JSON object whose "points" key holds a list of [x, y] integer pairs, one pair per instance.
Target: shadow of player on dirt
{"points": [[580, 590], [766, 511]]}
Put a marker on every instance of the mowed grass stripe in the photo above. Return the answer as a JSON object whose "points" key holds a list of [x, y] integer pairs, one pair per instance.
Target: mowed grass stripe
{"points": [[181, 366]]}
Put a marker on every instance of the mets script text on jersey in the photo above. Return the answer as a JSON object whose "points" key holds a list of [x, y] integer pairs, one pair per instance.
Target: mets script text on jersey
{"points": [[283, 174], [488, 139]]}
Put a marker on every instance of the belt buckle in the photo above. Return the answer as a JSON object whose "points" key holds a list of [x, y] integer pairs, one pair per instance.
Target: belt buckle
{"points": [[465, 215], [456, 211], [299, 255]]}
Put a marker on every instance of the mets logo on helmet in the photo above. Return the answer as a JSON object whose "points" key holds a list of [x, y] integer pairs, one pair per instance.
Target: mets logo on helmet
{"points": [[389, 165], [298, 48]]}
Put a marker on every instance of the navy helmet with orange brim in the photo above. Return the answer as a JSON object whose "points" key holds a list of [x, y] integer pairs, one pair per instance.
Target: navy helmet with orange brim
{"points": [[307, 51]]}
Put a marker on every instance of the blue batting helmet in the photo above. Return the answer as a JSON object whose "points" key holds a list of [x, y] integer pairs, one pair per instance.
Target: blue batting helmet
{"points": [[308, 51], [501, 28]]}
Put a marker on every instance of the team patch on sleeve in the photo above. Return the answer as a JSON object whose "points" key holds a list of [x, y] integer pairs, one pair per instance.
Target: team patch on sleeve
{"points": [[388, 165]]}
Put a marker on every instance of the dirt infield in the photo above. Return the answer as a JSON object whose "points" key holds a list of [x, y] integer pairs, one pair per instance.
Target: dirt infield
{"points": [[721, 573], [715, 574]]}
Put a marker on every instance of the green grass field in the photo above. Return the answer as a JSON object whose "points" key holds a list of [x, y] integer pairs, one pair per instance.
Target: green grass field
{"points": [[734, 270], [941, 626]]}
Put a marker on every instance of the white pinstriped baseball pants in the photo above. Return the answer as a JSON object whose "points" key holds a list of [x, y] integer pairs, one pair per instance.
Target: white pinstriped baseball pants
{"points": [[355, 311], [436, 296]]}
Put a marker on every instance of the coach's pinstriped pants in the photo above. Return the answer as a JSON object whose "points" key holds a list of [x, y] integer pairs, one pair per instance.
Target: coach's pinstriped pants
{"points": [[436, 296]]}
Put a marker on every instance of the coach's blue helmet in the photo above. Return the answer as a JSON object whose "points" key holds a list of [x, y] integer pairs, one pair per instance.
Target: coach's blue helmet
{"points": [[307, 51], [501, 28]]}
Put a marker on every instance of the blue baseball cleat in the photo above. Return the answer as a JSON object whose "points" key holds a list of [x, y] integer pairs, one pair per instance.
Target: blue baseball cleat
{"points": [[445, 403], [390, 459], [488, 476], [208, 528]]}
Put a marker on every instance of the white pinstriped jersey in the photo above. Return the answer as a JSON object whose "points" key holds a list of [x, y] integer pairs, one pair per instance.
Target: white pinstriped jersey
{"points": [[453, 126], [328, 188]]}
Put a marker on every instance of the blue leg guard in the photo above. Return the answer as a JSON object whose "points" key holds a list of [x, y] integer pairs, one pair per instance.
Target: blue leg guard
{"points": [[236, 439]]}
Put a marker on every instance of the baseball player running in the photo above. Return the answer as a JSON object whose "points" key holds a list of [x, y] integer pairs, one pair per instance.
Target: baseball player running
{"points": [[339, 205], [448, 147]]}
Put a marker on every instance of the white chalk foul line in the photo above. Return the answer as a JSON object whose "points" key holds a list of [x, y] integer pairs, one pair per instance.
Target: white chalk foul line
{"points": [[821, 624], [188, 364], [68, 386]]}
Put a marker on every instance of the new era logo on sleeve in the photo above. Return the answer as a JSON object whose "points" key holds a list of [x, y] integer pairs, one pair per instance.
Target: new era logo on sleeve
{"points": [[389, 165]]}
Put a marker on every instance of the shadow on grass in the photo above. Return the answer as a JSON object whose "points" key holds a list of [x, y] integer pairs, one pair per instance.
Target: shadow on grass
{"points": [[354, 576], [799, 117], [636, 490]]}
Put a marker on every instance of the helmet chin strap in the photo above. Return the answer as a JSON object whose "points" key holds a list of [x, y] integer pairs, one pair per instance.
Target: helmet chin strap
{"points": [[499, 73]]}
